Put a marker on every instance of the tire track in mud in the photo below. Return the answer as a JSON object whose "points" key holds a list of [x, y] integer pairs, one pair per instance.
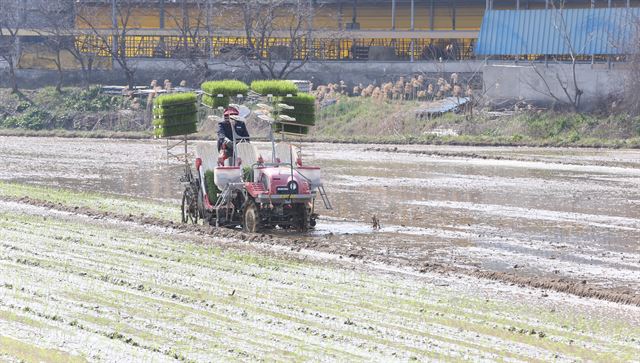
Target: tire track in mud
{"points": [[580, 288], [473, 155]]}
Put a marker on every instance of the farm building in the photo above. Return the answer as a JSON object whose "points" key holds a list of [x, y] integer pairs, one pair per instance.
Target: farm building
{"points": [[333, 30]]}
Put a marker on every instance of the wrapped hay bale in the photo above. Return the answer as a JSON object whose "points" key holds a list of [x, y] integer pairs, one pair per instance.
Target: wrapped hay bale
{"points": [[277, 88], [304, 108], [175, 114], [227, 88]]}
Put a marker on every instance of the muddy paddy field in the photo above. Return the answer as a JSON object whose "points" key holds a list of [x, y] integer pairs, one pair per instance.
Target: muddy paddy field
{"points": [[484, 254]]}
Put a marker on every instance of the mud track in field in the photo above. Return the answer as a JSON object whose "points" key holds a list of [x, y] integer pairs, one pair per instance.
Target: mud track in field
{"points": [[484, 156], [565, 285]]}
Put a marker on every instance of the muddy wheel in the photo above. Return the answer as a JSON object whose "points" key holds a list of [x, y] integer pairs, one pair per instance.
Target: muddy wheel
{"points": [[302, 223], [189, 208], [251, 218]]}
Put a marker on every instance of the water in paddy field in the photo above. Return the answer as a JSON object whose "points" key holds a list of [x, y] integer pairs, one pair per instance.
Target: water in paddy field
{"points": [[533, 211]]}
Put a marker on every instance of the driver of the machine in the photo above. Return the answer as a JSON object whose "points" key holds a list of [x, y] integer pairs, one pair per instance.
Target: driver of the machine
{"points": [[231, 122]]}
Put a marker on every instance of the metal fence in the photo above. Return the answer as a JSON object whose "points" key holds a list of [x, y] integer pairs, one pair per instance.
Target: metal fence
{"points": [[321, 49]]}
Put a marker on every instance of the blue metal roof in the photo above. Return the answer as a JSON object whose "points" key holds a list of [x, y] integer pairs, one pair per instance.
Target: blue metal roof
{"points": [[555, 31]]}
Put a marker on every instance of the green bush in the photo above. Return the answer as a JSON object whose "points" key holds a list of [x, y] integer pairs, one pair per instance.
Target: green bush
{"points": [[33, 119], [79, 99], [277, 88], [212, 188], [228, 88], [304, 108]]}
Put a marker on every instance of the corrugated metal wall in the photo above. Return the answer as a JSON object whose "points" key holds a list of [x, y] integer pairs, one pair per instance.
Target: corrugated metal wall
{"points": [[558, 31]]}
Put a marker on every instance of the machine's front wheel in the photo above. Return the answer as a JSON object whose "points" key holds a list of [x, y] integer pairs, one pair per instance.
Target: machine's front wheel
{"points": [[189, 207], [251, 218], [302, 222]]}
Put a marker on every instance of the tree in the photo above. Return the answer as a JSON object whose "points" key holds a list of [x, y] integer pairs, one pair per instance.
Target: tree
{"points": [[557, 83], [277, 33], [631, 46], [194, 44], [113, 39], [11, 21], [57, 29]]}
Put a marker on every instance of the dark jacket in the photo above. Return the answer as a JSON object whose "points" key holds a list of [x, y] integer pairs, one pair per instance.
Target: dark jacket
{"points": [[224, 130]]}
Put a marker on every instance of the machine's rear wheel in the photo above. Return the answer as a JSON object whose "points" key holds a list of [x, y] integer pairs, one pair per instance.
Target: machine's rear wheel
{"points": [[251, 218], [189, 207]]}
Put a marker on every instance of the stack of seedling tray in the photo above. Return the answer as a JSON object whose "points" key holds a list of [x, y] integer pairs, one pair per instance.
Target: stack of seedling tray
{"points": [[304, 113], [175, 115], [287, 92], [227, 89], [276, 88]]}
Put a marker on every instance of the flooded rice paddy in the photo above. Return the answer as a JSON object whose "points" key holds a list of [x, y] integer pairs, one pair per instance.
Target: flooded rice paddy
{"points": [[545, 218], [532, 211]]}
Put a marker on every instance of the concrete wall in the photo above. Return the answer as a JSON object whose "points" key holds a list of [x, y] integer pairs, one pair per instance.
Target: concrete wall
{"points": [[511, 81], [319, 73]]}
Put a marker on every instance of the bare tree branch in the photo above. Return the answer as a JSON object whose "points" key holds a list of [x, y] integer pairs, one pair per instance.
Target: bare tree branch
{"points": [[277, 33], [112, 39], [11, 21]]}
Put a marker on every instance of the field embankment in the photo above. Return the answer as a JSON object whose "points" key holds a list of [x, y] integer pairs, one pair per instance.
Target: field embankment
{"points": [[89, 113]]}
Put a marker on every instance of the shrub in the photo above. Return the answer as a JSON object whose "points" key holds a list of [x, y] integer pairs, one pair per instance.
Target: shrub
{"points": [[33, 119], [278, 88]]}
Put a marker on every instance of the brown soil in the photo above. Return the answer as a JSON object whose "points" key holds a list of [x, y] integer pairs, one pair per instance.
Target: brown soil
{"points": [[580, 288]]}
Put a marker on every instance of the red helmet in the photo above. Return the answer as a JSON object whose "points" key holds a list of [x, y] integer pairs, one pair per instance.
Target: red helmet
{"points": [[231, 111]]}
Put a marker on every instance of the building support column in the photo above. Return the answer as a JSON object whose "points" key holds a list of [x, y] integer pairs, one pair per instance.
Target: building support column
{"points": [[114, 26], [412, 28], [546, 57], [161, 14], [310, 30], [517, 8], [393, 14], [354, 12], [609, 56], [340, 15], [593, 57], [209, 30], [161, 45], [432, 9], [453, 15]]}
